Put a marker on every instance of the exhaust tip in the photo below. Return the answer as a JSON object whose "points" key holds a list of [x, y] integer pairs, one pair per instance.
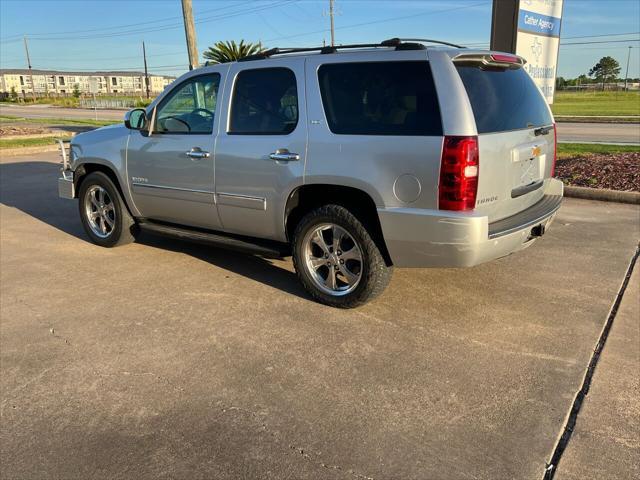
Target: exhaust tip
{"points": [[537, 231]]}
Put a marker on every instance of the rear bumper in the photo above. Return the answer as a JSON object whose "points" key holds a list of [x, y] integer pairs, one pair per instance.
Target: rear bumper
{"points": [[435, 238]]}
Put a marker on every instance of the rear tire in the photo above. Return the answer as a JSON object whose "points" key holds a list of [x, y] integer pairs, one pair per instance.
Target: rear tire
{"points": [[103, 213], [337, 260]]}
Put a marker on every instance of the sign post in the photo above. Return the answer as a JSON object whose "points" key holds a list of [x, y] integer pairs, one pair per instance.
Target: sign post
{"points": [[531, 29], [93, 89]]}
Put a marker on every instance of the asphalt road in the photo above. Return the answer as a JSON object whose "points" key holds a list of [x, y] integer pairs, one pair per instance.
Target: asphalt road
{"points": [[599, 132], [165, 359], [567, 132], [44, 111]]}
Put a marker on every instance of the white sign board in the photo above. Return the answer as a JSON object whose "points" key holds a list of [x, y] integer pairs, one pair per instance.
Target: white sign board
{"points": [[93, 85], [538, 39]]}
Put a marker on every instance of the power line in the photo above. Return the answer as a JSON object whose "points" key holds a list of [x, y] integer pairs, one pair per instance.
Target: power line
{"points": [[603, 35], [169, 26], [603, 41], [482, 44], [102, 69], [478, 44], [392, 19], [117, 27], [75, 59]]}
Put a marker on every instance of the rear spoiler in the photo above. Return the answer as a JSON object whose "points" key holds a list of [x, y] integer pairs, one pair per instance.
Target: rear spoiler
{"points": [[500, 60]]}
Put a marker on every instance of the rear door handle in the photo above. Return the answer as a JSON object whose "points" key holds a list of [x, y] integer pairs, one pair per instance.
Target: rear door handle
{"points": [[195, 152], [284, 155]]}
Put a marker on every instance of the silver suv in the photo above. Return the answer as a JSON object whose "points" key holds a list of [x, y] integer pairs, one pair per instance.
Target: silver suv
{"points": [[352, 159]]}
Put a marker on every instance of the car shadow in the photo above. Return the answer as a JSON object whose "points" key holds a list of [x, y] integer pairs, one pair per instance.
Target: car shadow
{"points": [[31, 187]]}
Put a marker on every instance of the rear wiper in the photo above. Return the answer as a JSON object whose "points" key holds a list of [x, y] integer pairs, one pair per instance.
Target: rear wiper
{"points": [[542, 131]]}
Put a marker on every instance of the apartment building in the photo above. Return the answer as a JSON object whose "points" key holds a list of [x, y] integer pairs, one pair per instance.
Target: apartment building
{"points": [[51, 82]]}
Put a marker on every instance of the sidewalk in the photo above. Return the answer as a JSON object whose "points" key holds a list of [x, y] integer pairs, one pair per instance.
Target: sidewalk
{"points": [[606, 440]]}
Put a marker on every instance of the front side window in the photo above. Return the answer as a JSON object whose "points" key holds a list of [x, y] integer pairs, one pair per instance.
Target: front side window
{"points": [[265, 102], [380, 98], [190, 107]]}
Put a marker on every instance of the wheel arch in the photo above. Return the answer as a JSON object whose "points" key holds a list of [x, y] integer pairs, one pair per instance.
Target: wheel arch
{"points": [[85, 169], [305, 198]]}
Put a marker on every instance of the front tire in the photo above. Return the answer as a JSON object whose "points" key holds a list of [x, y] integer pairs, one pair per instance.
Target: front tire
{"points": [[104, 215], [336, 258]]}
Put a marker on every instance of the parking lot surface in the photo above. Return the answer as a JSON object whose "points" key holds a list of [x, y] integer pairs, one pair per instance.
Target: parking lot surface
{"points": [[164, 359]]}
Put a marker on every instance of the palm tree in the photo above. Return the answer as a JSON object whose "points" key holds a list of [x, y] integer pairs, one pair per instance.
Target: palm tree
{"points": [[223, 52]]}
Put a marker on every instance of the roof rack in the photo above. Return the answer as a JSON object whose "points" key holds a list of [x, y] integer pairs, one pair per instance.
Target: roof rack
{"points": [[398, 43], [426, 40]]}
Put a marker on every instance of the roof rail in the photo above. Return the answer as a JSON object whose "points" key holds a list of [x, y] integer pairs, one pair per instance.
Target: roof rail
{"points": [[323, 50], [397, 43], [425, 40]]}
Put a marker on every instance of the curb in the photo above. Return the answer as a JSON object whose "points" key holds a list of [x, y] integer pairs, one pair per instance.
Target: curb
{"points": [[602, 194], [10, 152]]}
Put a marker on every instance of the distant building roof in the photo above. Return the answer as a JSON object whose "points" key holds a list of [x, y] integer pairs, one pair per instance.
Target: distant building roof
{"points": [[25, 71]]}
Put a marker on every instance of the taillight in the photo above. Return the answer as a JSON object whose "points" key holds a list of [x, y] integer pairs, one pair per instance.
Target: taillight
{"points": [[458, 174], [555, 151]]}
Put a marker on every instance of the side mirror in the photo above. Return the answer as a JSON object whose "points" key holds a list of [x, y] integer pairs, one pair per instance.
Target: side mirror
{"points": [[135, 119]]}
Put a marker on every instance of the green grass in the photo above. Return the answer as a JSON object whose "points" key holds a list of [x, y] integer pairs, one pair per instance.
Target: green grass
{"points": [[27, 142], [596, 103], [70, 102], [57, 121], [574, 149]]}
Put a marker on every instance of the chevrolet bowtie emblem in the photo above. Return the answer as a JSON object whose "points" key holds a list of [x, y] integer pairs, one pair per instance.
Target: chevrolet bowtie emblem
{"points": [[536, 151]]}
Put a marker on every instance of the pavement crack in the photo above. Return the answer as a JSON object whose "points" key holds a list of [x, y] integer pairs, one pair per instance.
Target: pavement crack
{"points": [[552, 466], [307, 456]]}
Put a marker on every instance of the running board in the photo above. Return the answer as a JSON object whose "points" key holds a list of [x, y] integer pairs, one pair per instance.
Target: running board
{"points": [[256, 246]]}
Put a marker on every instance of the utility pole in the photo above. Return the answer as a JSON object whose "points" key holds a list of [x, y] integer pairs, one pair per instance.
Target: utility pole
{"points": [[146, 72], [190, 33], [626, 75], [33, 87], [333, 39]]}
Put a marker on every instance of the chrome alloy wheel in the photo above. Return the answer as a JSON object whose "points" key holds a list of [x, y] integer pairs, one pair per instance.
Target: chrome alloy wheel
{"points": [[333, 259], [100, 211]]}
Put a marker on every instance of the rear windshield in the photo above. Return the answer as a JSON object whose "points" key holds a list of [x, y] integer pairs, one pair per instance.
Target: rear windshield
{"points": [[504, 99], [380, 98]]}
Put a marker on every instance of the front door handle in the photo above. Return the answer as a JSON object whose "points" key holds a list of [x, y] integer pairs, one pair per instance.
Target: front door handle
{"points": [[195, 152], [284, 155]]}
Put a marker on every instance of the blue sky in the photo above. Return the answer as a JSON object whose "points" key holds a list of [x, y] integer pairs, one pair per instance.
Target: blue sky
{"points": [[107, 34]]}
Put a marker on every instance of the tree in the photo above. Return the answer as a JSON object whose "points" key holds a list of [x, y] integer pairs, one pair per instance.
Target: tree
{"points": [[223, 52], [76, 91], [13, 94], [606, 69]]}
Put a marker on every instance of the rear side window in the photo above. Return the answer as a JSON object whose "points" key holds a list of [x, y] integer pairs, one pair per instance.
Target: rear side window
{"points": [[504, 99], [380, 98], [265, 102]]}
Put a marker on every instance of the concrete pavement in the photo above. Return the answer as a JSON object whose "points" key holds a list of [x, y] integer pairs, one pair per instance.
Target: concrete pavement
{"points": [[164, 359], [606, 437], [45, 111]]}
